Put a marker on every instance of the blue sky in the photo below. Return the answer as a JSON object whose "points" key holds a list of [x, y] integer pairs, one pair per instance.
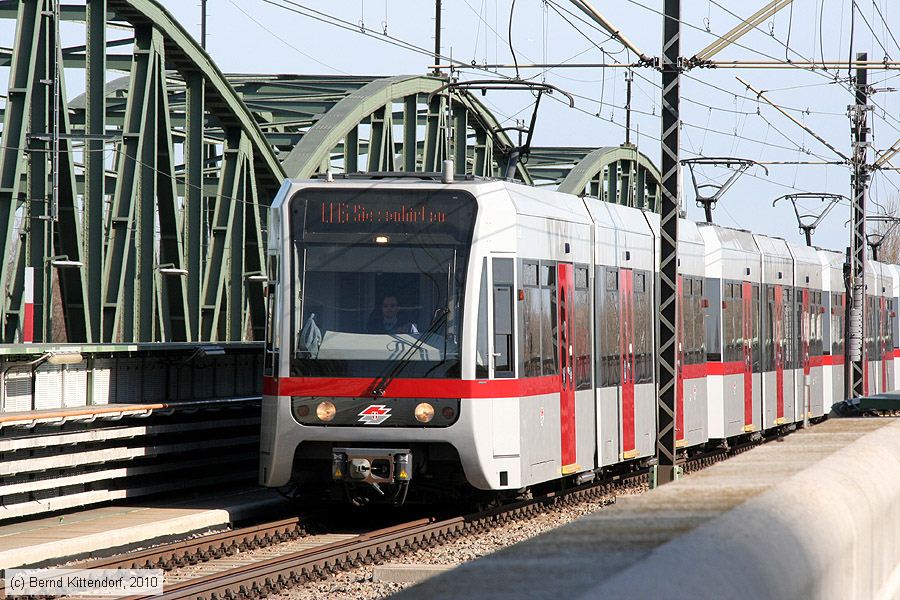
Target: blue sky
{"points": [[720, 116]]}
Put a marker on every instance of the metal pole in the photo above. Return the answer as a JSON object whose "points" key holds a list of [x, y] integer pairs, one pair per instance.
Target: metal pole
{"points": [[437, 37], [54, 170], [203, 24], [629, 77], [856, 349], [668, 262]]}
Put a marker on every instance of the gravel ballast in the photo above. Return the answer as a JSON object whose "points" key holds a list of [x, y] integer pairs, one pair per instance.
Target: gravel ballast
{"points": [[358, 584]]}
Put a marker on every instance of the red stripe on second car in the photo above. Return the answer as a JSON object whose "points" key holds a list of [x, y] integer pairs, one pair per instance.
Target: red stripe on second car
{"points": [[725, 368], [825, 361]]}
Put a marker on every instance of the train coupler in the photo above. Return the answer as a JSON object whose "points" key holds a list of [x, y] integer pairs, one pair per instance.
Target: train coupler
{"points": [[371, 465]]}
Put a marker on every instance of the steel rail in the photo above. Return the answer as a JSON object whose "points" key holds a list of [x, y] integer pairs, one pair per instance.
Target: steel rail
{"points": [[275, 574], [198, 549]]}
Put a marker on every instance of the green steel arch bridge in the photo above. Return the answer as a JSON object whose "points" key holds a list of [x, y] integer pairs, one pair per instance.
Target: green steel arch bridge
{"points": [[134, 210]]}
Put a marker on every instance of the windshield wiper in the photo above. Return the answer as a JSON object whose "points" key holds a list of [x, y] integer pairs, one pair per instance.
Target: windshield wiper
{"points": [[400, 362]]}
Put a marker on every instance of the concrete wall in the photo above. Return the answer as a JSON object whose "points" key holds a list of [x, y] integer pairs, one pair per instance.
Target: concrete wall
{"points": [[813, 516], [830, 531]]}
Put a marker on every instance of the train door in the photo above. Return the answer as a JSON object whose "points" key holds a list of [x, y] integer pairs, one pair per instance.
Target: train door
{"points": [[778, 345], [747, 348], [565, 348], [627, 362], [890, 342], [882, 341], [805, 401], [610, 372]]}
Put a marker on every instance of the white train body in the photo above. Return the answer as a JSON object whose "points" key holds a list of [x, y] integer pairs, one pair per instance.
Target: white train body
{"points": [[521, 346]]}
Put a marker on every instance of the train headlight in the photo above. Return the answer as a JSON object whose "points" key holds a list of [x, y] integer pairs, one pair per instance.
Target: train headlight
{"points": [[424, 412], [326, 411]]}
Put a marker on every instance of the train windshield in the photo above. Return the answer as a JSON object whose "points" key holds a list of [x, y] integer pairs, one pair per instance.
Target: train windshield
{"points": [[378, 281]]}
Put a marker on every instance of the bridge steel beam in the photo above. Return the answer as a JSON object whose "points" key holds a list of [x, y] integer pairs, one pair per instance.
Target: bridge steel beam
{"points": [[365, 107], [618, 174], [165, 173], [139, 167]]}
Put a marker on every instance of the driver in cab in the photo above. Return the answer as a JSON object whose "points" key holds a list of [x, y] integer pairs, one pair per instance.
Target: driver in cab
{"points": [[390, 319]]}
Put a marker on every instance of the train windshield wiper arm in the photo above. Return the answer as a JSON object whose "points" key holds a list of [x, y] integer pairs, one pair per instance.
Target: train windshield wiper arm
{"points": [[403, 360]]}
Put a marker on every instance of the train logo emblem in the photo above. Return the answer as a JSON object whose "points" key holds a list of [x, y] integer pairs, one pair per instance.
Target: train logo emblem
{"points": [[375, 414]]}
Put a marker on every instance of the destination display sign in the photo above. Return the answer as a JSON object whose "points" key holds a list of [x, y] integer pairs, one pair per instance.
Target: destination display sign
{"points": [[385, 212]]}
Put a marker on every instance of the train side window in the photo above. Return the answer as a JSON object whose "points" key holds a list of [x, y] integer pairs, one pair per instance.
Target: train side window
{"points": [[643, 330], [549, 348], [768, 330], [530, 274], [689, 310], [754, 317], [270, 365], [481, 342], [640, 283], [699, 344], [789, 341], [532, 324], [581, 278], [609, 340], [583, 353], [712, 320], [503, 317], [728, 323], [547, 320], [889, 332]]}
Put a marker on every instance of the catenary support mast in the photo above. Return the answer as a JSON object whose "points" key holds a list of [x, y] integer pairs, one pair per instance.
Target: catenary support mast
{"points": [[855, 349], [668, 267]]}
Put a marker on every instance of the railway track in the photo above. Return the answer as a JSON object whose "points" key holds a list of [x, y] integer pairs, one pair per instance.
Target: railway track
{"points": [[264, 559], [318, 560]]}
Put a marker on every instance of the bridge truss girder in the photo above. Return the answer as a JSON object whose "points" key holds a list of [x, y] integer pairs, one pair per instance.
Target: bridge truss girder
{"points": [[165, 174], [617, 174]]}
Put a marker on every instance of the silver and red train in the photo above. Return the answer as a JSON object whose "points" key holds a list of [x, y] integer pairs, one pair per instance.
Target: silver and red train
{"points": [[427, 336]]}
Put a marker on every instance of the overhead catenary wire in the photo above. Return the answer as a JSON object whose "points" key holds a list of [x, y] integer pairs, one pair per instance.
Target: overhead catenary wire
{"points": [[653, 114]]}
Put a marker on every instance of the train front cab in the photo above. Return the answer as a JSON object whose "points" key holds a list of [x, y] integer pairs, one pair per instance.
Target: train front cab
{"points": [[475, 364], [835, 302], [691, 410], [732, 331], [809, 311]]}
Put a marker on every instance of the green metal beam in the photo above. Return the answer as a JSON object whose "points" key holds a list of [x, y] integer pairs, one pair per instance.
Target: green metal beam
{"points": [[599, 174], [118, 315], [94, 163], [329, 132], [15, 123]]}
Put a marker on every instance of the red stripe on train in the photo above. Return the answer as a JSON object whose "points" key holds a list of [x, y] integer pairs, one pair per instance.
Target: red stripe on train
{"points": [[356, 387]]}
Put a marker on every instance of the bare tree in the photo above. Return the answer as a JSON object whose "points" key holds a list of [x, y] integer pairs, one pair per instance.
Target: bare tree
{"points": [[888, 232]]}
